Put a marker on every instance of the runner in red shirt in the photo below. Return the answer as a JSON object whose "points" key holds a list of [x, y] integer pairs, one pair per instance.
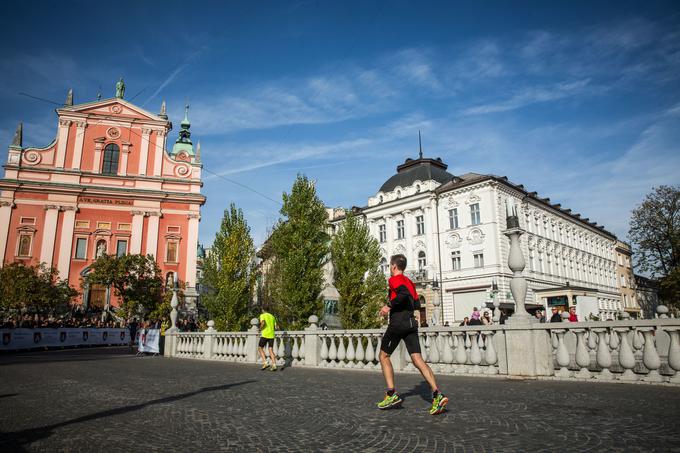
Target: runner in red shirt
{"points": [[403, 326]]}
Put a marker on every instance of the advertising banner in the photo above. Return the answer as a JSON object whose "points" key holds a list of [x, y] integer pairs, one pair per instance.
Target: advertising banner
{"points": [[149, 340], [48, 338]]}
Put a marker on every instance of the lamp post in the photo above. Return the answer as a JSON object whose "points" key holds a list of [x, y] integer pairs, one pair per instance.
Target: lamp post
{"points": [[174, 302], [436, 302], [516, 263], [495, 300]]}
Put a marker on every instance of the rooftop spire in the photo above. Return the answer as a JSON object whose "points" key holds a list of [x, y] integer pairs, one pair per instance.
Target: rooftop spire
{"points": [[163, 113], [18, 139], [69, 97], [185, 121], [420, 146]]}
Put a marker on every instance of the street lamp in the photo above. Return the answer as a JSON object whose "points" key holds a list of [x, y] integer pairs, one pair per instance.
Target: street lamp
{"points": [[436, 302], [496, 301]]}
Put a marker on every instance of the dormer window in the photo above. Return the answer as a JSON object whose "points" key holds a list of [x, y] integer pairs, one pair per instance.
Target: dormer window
{"points": [[418, 188], [110, 165], [398, 193], [380, 198]]}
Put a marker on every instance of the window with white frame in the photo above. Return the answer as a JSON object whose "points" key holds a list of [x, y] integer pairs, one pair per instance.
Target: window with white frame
{"points": [[171, 252], [422, 261], [400, 229], [453, 218], [24, 245], [81, 249], [474, 214], [455, 260], [382, 232], [478, 259], [383, 266], [121, 247], [420, 224]]}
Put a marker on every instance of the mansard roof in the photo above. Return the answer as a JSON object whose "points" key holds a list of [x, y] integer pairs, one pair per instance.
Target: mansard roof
{"points": [[473, 178], [421, 169]]}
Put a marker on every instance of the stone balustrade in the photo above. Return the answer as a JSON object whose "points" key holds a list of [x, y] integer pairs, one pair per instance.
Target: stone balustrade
{"points": [[646, 351]]}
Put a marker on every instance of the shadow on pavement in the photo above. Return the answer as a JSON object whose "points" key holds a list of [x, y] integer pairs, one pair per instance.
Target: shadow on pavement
{"points": [[423, 390], [14, 441]]}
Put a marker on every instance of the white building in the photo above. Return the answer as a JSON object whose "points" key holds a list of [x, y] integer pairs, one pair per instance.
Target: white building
{"points": [[450, 228]]}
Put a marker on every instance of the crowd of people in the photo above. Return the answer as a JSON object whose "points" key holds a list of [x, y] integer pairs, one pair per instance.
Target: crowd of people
{"points": [[52, 322]]}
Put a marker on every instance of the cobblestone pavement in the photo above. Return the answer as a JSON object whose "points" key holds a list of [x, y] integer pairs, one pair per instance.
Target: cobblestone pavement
{"points": [[106, 399]]}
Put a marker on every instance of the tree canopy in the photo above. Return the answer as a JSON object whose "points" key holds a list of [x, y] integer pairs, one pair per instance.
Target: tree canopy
{"points": [[34, 289], [229, 273], [357, 277]]}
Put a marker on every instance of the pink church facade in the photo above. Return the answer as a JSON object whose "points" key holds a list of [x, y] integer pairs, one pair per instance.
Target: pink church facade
{"points": [[106, 184]]}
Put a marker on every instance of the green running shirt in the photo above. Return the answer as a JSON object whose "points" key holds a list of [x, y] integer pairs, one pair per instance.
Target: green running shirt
{"points": [[269, 325]]}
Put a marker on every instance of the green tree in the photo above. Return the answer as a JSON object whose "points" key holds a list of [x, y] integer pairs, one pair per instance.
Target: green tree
{"points": [[300, 248], [229, 273], [135, 279], [34, 289], [655, 236], [356, 274]]}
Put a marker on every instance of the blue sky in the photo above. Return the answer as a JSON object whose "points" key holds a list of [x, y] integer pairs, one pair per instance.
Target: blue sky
{"points": [[579, 101]]}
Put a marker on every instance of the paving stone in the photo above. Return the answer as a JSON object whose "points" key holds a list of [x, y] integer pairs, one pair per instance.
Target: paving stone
{"points": [[106, 399]]}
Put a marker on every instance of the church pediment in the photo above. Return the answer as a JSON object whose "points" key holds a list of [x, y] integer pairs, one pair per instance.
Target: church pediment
{"points": [[111, 108]]}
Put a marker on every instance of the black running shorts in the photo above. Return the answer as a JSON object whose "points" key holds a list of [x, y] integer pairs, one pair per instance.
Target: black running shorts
{"points": [[395, 334], [266, 342]]}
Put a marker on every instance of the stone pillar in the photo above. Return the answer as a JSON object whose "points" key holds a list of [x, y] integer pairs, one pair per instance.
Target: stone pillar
{"points": [[158, 155], [137, 227], [252, 340], [192, 244], [312, 352], [66, 241], [78, 148], [390, 234], [124, 154], [98, 146], [152, 233], [208, 340], [62, 140], [144, 151], [5, 217], [49, 234]]}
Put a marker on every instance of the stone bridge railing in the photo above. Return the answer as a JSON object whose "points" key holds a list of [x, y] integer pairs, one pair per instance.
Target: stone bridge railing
{"points": [[620, 351]]}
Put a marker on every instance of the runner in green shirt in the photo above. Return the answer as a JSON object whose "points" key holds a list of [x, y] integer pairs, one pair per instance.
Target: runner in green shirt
{"points": [[267, 328]]}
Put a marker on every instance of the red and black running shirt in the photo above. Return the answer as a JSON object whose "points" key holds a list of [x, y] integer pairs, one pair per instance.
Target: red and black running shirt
{"points": [[402, 294]]}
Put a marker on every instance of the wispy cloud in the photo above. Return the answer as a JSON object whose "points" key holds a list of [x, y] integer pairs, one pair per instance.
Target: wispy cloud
{"points": [[173, 74], [531, 95]]}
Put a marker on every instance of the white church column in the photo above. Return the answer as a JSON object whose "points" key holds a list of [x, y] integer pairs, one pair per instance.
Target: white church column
{"points": [[49, 234], [158, 155], [5, 217], [152, 233], [137, 227], [66, 241], [78, 148], [192, 244], [62, 140], [144, 151]]}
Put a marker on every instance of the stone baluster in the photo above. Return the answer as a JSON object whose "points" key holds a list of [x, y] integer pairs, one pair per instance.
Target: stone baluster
{"points": [[475, 355], [324, 350], [491, 358], [614, 341], [281, 351], [562, 354], [378, 344], [650, 356], [342, 351], [448, 350], [582, 354], [434, 350], [370, 352], [222, 348], [295, 352], [461, 354], [360, 352], [333, 352], [604, 355], [592, 340], [626, 356], [422, 339], [302, 349], [674, 353], [351, 355]]}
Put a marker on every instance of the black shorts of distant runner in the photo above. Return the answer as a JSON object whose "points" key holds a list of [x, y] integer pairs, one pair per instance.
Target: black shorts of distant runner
{"points": [[264, 342], [395, 333]]}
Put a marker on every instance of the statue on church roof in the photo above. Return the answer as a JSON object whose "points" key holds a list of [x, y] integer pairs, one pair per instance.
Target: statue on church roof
{"points": [[120, 89]]}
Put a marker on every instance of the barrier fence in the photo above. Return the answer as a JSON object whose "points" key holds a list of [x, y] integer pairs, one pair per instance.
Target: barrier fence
{"points": [[17, 339]]}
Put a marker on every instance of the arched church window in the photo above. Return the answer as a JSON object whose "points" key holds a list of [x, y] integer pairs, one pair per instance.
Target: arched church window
{"points": [[111, 154]]}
